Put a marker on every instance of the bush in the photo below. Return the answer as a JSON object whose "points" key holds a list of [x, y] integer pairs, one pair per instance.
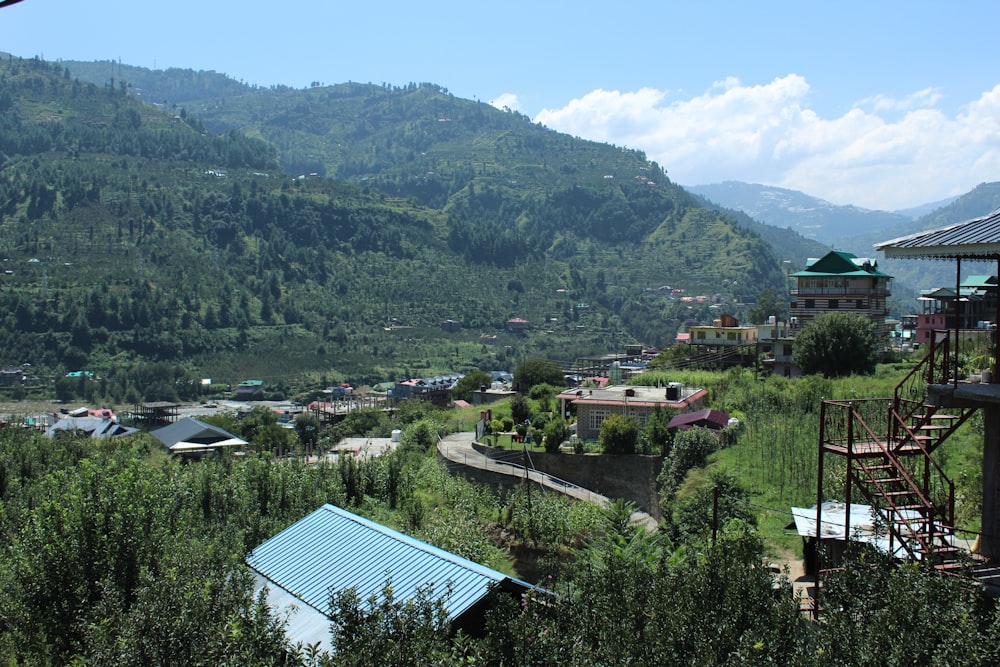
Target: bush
{"points": [[556, 433], [619, 434]]}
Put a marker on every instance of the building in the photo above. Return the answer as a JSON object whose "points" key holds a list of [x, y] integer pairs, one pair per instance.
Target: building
{"points": [[93, 426], [714, 420], [724, 332], [249, 390], [190, 435], [774, 348], [840, 282], [11, 377], [516, 325], [593, 406], [436, 390], [975, 309], [332, 550]]}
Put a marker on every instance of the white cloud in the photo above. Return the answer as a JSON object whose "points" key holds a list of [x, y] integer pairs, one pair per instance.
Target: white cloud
{"points": [[927, 97], [882, 153], [506, 101]]}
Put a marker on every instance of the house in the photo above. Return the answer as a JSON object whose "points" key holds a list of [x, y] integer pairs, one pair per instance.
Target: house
{"points": [[332, 550], [250, 390], [190, 435], [93, 426], [974, 310], [593, 406], [517, 325], [774, 347], [840, 282], [436, 390], [715, 420], [724, 332], [11, 377]]}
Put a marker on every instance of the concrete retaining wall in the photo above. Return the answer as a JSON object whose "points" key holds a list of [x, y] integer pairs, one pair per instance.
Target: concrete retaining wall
{"points": [[629, 477]]}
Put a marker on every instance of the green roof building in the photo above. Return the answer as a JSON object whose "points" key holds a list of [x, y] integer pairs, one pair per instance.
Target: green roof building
{"points": [[840, 281]]}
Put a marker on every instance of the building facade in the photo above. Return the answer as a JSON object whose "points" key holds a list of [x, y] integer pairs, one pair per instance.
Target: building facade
{"points": [[840, 282]]}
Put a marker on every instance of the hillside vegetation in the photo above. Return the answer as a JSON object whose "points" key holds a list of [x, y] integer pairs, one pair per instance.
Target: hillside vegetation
{"points": [[134, 233]]}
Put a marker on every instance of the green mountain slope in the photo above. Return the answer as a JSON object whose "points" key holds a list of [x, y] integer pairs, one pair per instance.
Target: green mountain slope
{"points": [[139, 241]]}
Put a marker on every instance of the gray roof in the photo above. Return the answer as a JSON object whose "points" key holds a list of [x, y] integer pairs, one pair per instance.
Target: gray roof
{"points": [[332, 550], [978, 238], [190, 433], [95, 427]]}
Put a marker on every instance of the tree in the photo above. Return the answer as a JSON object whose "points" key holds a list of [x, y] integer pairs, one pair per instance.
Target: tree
{"points": [[693, 515], [535, 370], [691, 450], [469, 383], [619, 434], [543, 393], [307, 428], [655, 436], [768, 303], [836, 344], [520, 409], [419, 436], [556, 433]]}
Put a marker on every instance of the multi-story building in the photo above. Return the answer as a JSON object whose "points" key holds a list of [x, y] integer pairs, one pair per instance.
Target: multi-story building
{"points": [[839, 282], [976, 307]]}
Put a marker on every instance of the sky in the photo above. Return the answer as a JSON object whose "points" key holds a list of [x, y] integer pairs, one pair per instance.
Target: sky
{"points": [[883, 105]]}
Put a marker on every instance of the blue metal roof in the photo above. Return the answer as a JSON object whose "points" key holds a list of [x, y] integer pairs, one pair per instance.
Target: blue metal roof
{"points": [[333, 550]]}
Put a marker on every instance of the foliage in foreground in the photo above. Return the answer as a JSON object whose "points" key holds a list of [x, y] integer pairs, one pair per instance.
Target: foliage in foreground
{"points": [[114, 557]]}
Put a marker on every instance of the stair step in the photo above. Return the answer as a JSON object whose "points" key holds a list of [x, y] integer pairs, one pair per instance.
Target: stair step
{"points": [[886, 480]]}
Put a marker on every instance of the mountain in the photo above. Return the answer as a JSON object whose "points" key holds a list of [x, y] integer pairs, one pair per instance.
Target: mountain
{"points": [[857, 230], [912, 275], [155, 245], [792, 247], [925, 209], [811, 217]]}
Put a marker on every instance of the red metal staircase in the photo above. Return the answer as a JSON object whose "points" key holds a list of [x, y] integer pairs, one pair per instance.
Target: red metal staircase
{"points": [[888, 449]]}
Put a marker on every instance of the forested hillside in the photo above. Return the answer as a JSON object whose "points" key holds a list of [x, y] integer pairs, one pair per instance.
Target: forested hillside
{"points": [[135, 233]]}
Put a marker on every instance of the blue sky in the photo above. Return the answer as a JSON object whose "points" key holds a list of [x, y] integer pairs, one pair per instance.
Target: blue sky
{"points": [[883, 105]]}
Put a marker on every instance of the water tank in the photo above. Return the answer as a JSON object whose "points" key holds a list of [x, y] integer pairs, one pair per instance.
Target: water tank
{"points": [[396, 434], [673, 391]]}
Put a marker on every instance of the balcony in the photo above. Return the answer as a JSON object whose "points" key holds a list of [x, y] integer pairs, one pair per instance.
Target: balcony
{"points": [[841, 291]]}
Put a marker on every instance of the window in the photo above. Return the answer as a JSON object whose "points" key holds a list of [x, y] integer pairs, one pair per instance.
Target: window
{"points": [[810, 303], [786, 350], [731, 336], [597, 417], [859, 304], [700, 335], [833, 304]]}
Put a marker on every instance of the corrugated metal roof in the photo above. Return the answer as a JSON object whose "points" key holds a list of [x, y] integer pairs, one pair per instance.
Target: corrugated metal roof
{"points": [[191, 430], [333, 550], [978, 237]]}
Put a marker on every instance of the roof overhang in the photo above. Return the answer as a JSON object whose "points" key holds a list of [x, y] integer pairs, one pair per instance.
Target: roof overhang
{"points": [[978, 239]]}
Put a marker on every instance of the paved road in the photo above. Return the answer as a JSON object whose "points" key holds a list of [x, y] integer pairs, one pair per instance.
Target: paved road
{"points": [[458, 448]]}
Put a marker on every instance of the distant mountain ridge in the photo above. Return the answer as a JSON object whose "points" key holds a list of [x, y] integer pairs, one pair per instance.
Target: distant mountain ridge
{"points": [[810, 216]]}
